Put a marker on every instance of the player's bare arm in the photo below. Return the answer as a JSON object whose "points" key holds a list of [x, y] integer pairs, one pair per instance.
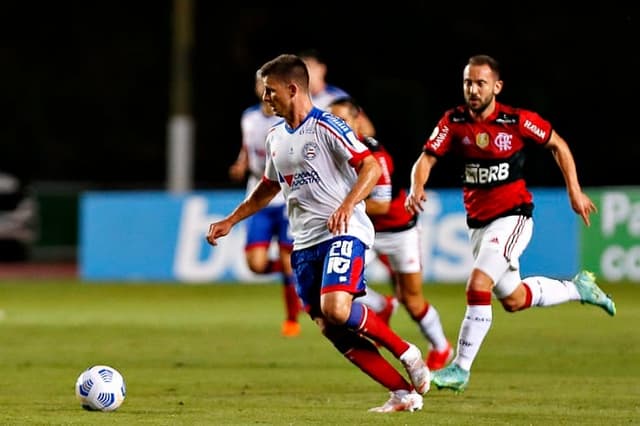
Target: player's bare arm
{"points": [[369, 172], [259, 197], [419, 175], [239, 168], [580, 202], [377, 207]]}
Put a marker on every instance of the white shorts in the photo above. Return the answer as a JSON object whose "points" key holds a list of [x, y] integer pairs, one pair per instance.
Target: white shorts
{"points": [[497, 248], [403, 249]]}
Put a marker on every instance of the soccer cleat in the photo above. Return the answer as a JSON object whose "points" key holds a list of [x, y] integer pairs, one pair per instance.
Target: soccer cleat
{"points": [[400, 400], [290, 328], [437, 360], [418, 371], [590, 293], [389, 309], [451, 377]]}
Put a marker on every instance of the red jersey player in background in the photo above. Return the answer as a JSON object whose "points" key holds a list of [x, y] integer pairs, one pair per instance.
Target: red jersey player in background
{"points": [[397, 244], [490, 138]]}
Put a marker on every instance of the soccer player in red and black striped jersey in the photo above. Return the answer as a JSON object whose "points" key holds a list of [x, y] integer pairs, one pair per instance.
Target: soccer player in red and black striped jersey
{"points": [[490, 138], [398, 242]]}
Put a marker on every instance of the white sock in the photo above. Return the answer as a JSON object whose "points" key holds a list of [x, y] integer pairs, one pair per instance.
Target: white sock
{"points": [[474, 328], [431, 328], [549, 292], [376, 301]]}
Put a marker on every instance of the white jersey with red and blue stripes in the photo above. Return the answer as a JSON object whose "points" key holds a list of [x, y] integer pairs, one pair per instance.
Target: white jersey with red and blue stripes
{"points": [[255, 125], [314, 165]]}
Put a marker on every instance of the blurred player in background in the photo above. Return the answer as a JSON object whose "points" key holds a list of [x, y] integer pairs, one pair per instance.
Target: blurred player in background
{"points": [[397, 244], [325, 173], [271, 223], [322, 93], [491, 137]]}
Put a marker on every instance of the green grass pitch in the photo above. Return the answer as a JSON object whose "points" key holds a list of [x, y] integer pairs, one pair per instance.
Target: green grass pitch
{"points": [[213, 355]]}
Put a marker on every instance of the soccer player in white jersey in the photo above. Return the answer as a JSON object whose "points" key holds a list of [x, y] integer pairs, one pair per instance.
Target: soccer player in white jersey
{"points": [[271, 223], [325, 173]]}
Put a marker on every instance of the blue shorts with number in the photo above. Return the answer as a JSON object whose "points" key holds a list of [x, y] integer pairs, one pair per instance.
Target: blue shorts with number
{"points": [[334, 265], [266, 224]]}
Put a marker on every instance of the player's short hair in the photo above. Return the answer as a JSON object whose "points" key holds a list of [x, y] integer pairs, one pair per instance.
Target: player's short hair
{"points": [[287, 67], [348, 101], [493, 64]]}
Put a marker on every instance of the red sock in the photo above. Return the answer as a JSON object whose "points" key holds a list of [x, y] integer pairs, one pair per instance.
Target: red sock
{"points": [[273, 266], [291, 301], [377, 330], [528, 296], [370, 361]]}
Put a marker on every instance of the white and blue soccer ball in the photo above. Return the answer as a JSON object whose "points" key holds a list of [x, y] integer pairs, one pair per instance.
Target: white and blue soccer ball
{"points": [[101, 388]]}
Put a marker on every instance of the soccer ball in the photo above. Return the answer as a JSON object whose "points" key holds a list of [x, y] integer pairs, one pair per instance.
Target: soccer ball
{"points": [[100, 388]]}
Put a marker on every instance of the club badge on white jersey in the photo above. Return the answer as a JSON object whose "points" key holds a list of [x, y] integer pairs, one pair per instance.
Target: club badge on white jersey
{"points": [[314, 165]]}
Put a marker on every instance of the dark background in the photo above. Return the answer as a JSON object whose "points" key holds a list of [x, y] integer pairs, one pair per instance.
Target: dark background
{"points": [[85, 87]]}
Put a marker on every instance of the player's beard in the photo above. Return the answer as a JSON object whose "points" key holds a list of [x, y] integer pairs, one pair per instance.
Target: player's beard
{"points": [[479, 109]]}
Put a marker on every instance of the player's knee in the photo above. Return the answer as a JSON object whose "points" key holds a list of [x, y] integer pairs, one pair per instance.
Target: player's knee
{"points": [[256, 269], [335, 313], [518, 300], [335, 316], [257, 266], [336, 307], [511, 304]]}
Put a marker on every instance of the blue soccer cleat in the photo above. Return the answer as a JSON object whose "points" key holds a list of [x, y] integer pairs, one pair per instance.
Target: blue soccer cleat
{"points": [[451, 377], [590, 293]]}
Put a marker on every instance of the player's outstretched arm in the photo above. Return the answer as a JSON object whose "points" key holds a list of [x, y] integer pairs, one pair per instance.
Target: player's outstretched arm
{"points": [[238, 169], [259, 197], [217, 230], [420, 172], [580, 202]]}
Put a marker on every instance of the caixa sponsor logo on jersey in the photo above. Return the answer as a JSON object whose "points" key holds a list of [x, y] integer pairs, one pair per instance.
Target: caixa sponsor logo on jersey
{"points": [[479, 175], [338, 122], [535, 129], [304, 178]]}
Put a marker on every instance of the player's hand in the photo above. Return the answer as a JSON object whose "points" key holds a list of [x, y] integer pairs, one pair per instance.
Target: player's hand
{"points": [[583, 206], [413, 202], [338, 222], [217, 230]]}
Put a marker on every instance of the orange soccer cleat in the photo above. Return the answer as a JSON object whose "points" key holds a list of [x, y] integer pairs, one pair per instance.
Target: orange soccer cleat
{"points": [[291, 328]]}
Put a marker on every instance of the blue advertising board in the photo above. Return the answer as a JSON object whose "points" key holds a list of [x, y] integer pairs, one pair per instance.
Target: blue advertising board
{"points": [[158, 236]]}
